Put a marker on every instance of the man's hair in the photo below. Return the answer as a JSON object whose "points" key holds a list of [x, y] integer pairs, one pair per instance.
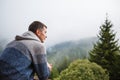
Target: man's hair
{"points": [[36, 25]]}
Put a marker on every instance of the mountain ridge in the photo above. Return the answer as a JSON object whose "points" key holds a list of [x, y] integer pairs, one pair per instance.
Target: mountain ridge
{"points": [[66, 52]]}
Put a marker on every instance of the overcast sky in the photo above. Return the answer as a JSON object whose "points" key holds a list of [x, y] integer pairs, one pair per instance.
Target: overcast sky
{"points": [[65, 19]]}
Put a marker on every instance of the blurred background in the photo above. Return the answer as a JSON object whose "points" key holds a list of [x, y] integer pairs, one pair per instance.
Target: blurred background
{"points": [[73, 26], [66, 19]]}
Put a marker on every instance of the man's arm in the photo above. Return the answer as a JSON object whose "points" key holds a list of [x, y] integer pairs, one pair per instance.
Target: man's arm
{"points": [[40, 62], [41, 68]]}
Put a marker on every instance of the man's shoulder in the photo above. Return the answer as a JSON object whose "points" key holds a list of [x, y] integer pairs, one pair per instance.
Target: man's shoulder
{"points": [[15, 44], [19, 46]]}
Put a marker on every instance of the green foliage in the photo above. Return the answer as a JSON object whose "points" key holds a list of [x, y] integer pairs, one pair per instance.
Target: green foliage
{"points": [[54, 73], [83, 70], [106, 51]]}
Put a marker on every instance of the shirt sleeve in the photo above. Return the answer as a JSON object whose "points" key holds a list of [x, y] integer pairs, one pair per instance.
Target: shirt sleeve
{"points": [[40, 63]]}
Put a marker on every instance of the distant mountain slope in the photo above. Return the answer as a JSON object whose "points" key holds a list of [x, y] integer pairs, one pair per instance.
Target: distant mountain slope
{"points": [[69, 51], [3, 43], [85, 44]]}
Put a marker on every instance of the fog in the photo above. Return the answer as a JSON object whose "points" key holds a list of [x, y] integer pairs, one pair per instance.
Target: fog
{"points": [[65, 19]]}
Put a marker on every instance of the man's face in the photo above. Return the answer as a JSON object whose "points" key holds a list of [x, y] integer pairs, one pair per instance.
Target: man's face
{"points": [[42, 34]]}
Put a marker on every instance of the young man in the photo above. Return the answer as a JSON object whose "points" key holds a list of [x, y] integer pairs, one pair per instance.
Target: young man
{"points": [[26, 55]]}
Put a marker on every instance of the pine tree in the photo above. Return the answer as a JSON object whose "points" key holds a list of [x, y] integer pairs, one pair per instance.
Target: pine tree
{"points": [[106, 51]]}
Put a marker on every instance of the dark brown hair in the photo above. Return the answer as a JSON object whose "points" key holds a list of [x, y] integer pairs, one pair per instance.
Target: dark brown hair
{"points": [[36, 25]]}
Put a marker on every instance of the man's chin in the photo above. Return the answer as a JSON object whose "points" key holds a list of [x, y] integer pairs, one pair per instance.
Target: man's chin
{"points": [[42, 41]]}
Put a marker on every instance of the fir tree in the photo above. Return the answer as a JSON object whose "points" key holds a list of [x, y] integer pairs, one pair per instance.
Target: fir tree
{"points": [[106, 51]]}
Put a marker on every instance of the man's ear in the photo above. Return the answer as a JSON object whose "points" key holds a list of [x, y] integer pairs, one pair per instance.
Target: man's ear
{"points": [[38, 32]]}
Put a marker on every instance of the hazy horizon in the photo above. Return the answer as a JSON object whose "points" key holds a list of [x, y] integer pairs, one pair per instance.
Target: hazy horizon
{"points": [[66, 19]]}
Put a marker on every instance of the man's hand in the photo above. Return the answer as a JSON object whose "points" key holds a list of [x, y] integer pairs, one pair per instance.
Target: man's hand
{"points": [[49, 66]]}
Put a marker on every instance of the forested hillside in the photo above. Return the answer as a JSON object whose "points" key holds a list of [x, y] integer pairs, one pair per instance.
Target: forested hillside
{"points": [[62, 54]]}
